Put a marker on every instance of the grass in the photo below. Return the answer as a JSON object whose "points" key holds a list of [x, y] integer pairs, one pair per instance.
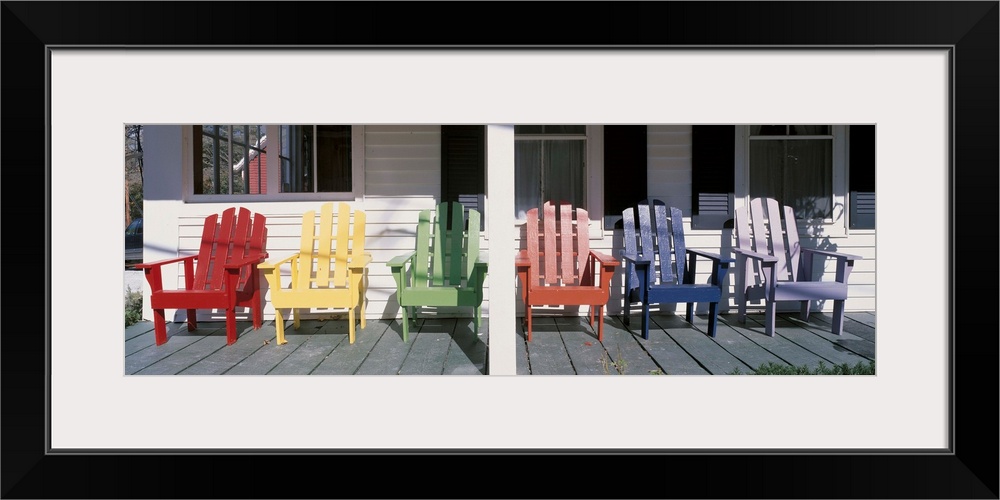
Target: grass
{"points": [[620, 365], [133, 307], [770, 368]]}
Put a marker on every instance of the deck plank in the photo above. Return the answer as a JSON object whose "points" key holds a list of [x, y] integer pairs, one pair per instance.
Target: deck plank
{"points": [[790, 352], [429, 349], [823, 349], [389, 351], [664, 351], [148, 338], [580, 341], [347, 357], [136, 329], [222, 360], [141, 362], [270, 355], [698, 345], [622, 345], [467, 352], [522, 366], [820, 325], [546, 353], [308, 346], [186, 356]]}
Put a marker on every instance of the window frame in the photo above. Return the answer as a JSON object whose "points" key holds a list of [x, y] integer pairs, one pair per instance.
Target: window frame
{"points": [[593, 175], [274, 174], [834, 227]]}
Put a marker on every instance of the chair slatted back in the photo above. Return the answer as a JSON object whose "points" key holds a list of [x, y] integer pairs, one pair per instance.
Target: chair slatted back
{"points": [[764, 226], [446, 253], [558, 246], [653, 230], [323, 255], [237, 236]]}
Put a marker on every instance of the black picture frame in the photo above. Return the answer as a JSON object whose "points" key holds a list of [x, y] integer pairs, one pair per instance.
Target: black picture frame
{"points": [[970, 29]]}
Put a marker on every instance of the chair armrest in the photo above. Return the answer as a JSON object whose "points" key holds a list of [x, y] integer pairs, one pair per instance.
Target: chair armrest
{"points": [[604, 259], [837, 255], [522, 260], [158, 263], [755, 255], [360, 261], [482, 261], [246, 261], [269, 266], [713, 256], [634, 258], [400, 260]]}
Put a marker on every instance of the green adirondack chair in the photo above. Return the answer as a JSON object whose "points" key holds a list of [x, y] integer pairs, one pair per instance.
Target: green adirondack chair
{"points": [[446, 268]]}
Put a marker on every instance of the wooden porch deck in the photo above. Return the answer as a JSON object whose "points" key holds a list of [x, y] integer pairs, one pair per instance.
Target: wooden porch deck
{"points": [[559, 346]]}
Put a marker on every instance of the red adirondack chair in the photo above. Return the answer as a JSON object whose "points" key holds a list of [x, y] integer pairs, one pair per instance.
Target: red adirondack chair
{"points": [[225, 276], [559, 268]]}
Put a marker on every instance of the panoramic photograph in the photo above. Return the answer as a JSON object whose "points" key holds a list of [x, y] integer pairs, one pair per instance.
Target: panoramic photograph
{"points": [[659, 249]]}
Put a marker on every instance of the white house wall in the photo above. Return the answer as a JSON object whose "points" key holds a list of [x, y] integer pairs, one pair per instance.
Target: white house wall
{"points": [[401, 178]]}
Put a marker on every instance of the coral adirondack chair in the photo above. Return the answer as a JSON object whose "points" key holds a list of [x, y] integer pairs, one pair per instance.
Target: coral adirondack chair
{"points": [[772, 265], [559, 268], [446, 267], [223, 275], [659, 232], [329, 271]]}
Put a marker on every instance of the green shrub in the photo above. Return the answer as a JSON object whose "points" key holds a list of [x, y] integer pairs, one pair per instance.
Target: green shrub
{"points": [[133, 307], [770, 368]]}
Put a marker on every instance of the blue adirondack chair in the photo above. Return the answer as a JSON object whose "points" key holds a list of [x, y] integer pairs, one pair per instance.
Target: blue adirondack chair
{"points": [[651, 231], [769, 267]]}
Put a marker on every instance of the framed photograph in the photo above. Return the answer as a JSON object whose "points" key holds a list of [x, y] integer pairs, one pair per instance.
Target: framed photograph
{"points": [[924, 74]]}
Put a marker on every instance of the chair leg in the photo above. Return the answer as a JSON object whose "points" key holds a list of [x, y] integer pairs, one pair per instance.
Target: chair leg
{"points": [[689, 316], [192, 319], [769, 318], [591, 314], [159, 326], [528, 318], [713, 318], [838, 317], [350, 325], [645, 319], [279, 327], [295, 318], [479, 319], [804, 310], [600, 323], [231, 326], [257, 310], [406, 322]]}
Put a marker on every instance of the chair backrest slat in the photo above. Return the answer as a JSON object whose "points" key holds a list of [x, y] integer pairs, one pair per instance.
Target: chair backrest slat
{"points": [[455, 244], [629, 236], [323, 253], [583, 275], [558, 245], [661, 225], [549, 245], [205, 250], [307, 243], [472, 243], [445, 255], [677, 241], [534, 252], [220, 250], [765, 226]]}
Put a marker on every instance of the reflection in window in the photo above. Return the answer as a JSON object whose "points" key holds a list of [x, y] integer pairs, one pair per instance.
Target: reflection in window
{"points": [[230, 159], [793, 164], [315, 158], [549, 165]]}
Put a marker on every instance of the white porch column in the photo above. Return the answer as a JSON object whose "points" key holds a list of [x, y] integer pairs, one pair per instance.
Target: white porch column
{"points": [[502, 236]]}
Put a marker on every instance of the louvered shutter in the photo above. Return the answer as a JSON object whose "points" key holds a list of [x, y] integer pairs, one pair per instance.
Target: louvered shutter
{"points": [[463, 162], [713, 152]]}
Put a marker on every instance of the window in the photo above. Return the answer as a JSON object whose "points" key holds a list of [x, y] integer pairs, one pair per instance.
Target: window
{"points": [[315, 158], [825, 172], [793, 164], [463, 167], [549, 165], [230, 159]]}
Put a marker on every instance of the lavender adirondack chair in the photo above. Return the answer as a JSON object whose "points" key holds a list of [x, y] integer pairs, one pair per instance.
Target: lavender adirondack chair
{"points": [[772, 265]]}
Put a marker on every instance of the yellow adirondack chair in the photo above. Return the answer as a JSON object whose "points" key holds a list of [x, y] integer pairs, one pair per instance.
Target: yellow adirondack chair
{"points": [[329, 271]]}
